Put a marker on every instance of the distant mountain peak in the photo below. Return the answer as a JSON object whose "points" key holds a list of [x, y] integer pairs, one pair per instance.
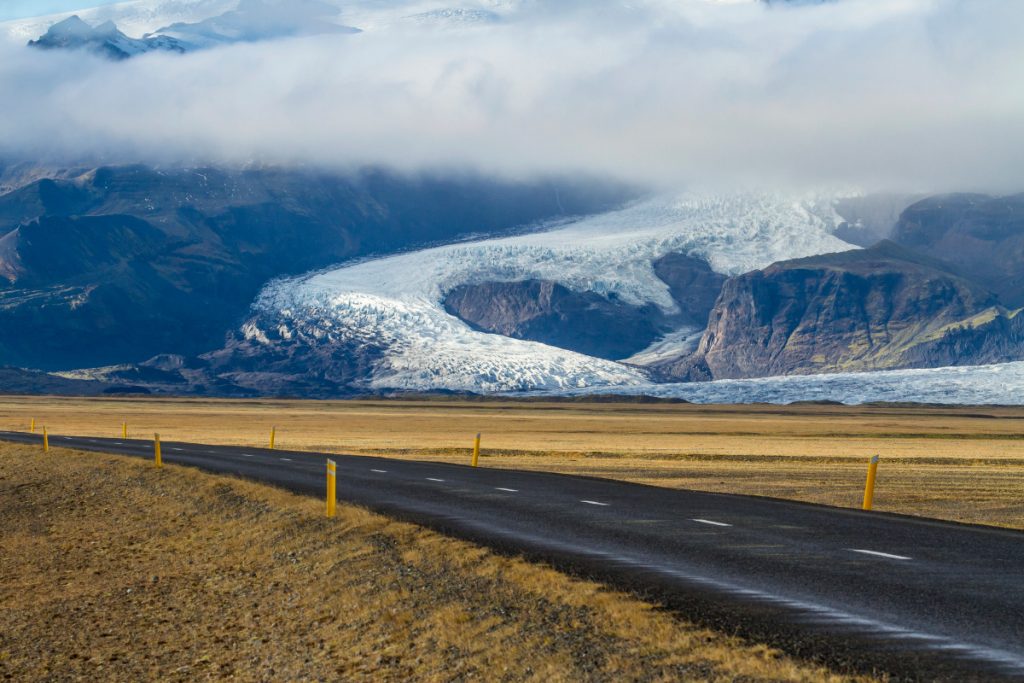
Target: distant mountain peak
{"points": [[249, 21], [106, 28], [105, 39], [72, 26]]}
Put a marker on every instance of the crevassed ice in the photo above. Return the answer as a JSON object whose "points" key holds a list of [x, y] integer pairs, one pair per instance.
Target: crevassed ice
{"points": [[397, 301], [997, 384]]}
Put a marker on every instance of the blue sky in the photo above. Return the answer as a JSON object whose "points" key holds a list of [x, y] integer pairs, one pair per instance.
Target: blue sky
{"points": [[14, 9]]}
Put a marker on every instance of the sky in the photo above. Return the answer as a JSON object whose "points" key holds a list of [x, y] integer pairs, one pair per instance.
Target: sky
{"points": [[16, 9], [901, 95]]}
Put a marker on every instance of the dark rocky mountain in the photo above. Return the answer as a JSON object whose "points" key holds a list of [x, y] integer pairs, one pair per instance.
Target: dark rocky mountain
{"points": [[273, 365], [879, 308], [692, 284], [20, 381], [282, 364], [124, 263], [550, 313], [982, 237], [587, 322]]}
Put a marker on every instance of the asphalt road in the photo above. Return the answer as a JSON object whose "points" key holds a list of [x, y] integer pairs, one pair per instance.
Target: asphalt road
{"points": [[918, 598]]}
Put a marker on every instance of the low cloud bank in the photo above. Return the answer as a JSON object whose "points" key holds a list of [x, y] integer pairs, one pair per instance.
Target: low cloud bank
{"points": [[902, 94]]}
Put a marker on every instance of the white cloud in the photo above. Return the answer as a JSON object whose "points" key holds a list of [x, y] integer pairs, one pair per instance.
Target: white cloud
{"points": [[918, 94]]}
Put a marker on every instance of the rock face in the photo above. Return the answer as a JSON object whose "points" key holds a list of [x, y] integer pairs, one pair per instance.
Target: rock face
{"points": [[879, 308], [550, 313], [125, 263], [692, 284], [981, 236], [587, 322], [261, 360]]}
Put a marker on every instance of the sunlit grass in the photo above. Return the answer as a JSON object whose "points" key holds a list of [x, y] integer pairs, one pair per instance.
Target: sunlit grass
{"points": [[964, 464], [113, 570]]}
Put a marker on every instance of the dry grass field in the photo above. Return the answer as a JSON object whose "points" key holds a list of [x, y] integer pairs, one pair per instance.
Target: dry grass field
{"points": [[963, 464], [113, 570]]}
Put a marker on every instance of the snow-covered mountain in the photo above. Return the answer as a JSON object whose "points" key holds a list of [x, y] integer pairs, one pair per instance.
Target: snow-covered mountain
{"points": [[105, 39], [256, 20], [251, 21], [135, 18], [247, 20], [217, 19], [397, 302]]}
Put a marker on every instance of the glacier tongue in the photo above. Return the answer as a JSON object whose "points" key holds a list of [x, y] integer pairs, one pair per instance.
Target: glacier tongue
{"points": [[999, 384], [396, 302]]}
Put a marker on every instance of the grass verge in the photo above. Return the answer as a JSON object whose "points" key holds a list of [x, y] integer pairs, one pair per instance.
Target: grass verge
{"points": [[113, 570], [961, 464]]}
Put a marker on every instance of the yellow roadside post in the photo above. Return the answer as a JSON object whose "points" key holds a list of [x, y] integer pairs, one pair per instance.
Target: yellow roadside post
{"points": [[332, 487], [32, 426], [273, 433], [476, 450], [158, 460], [124, 430], [46, 441], [869, 485]]}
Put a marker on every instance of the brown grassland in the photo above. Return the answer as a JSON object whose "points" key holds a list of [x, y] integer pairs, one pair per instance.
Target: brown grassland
{"points": [[113, 570], [962, 464]]}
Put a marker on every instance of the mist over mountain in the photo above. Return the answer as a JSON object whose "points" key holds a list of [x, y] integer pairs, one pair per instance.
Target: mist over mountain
{"points": [[908, 96]]}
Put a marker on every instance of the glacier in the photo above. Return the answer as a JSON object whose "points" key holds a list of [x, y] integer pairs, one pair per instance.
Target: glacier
{"points": [[998, 384], [397, 301]]}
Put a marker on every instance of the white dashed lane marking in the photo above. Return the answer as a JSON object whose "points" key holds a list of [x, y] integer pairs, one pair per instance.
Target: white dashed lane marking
{"points": [[878, 554], [177, 449], [711, 522], [248, 455], [286, 459], [380, 471], [594, 502], [432, 479], [499, 488]]}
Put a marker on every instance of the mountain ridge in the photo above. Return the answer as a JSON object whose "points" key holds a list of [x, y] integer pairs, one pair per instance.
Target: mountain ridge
{"points": [[250, 21], [105, 39], [885, 307], [123, 263]]}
